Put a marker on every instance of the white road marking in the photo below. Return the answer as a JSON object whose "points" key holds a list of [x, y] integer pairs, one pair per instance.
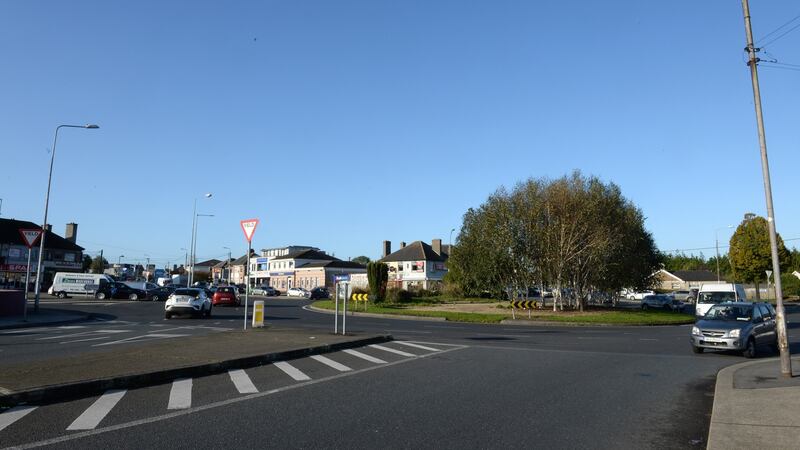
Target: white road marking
{"points": [[391, 350], [331, 363], [242, 382], [85, 340], [24, 330], [141, 338], [291, 371], [410, 344], [648, 339], [180, 396], [71, 327], [94, 414], [14, 414], [363, 356], [410, 331]]}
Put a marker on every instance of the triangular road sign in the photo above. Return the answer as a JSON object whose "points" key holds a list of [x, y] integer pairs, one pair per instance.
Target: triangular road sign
{"points": [[249, 228], [30, 236]]}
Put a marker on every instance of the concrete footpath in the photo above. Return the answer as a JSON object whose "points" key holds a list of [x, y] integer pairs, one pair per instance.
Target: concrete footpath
{"points": [[45, 316], [755, 407], [89, 374]]}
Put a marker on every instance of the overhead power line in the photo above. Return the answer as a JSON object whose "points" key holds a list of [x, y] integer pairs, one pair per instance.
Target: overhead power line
{"points": [[758, 41]]}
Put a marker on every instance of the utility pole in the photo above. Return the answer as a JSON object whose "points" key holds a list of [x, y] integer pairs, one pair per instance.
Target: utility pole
{"points": [[786, 360], [102, 265]]}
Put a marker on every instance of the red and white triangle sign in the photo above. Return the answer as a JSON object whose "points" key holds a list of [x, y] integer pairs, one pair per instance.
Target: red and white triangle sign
{"points": [[30, 236], [249, 228]]}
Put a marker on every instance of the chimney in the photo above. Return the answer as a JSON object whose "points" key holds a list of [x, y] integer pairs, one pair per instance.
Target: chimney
{"points": [[402, 244], [72, 232], [387, 248], [49, 228], [437, 246]]}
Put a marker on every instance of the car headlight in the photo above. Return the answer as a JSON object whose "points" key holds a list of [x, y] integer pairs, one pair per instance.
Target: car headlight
{"points": [[696, 331], [734, 333]]}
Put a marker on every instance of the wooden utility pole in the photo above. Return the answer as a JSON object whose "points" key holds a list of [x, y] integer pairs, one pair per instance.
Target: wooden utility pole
{"points": [[786, 361]]}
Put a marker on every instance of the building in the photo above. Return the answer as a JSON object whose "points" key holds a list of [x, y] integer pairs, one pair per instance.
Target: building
{"points": [[221, 271], [283, 251], [415, 266], [321, 273], [282, 268], [684, 279], [61, 254], [202, 270]]}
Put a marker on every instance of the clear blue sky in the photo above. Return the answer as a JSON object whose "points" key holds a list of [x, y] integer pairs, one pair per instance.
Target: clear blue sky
{"points": [[343, 123]]}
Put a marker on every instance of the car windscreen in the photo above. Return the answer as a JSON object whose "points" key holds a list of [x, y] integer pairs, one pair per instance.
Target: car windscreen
{"points": [[716, 297], [729, 312], [225, 290], [189, 292]]}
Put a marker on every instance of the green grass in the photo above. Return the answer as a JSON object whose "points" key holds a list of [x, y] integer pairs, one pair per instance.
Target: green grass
{"points": [[609, 317]]}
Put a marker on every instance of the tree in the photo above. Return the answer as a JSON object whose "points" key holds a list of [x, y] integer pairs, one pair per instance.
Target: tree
{"points": [[750, 252], [377, 276], [361, 260], [86, 263], [98, 264]]}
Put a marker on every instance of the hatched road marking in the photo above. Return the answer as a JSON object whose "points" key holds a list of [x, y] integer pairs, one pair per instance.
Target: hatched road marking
{"points": [[331, 363], [242, 382], [358, 354], [410, 344], [391, 350], [98, 411], [291, 371], [14, 414], [180, 396]]}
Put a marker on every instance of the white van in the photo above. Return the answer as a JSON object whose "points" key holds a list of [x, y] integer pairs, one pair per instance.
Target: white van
{"points": [[713, 293], [65, 283]]}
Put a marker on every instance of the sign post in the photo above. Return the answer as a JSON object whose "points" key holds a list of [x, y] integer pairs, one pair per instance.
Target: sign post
{"points": [[249, 228], [30, 236]]}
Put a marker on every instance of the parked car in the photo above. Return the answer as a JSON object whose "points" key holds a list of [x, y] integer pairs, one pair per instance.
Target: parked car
{"points": [[268, 291], [297, 292], [188, 301], [657, 301], [118, 290], [741, 326], [160, 294], [65, 283], [319, 293], [241, 288], [684, 296], [226, 295], [638, 295]]}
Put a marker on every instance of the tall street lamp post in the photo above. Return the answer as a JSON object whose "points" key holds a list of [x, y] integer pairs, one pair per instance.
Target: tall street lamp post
{"points": [[716, 242], [192, 242], [450, 244], [194, 249], [46, 205], [227, 266]]}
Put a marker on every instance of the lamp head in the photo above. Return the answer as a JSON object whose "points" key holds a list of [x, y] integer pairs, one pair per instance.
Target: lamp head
{"points": [[92, 126]]}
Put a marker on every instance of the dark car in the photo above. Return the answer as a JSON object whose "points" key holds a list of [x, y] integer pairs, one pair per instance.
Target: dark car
{"points": [[160, 293], [741, 326], [319, 293], [657, 301], [117, 290], [226, 295]]}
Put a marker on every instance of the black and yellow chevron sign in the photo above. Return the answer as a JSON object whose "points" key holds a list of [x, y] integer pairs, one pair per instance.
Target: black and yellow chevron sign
{"points": [[359, 297], [523, 304]]}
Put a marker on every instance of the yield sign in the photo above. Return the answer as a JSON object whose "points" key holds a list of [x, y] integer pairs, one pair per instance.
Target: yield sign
{"points": [[249, 227], [30, 236]]}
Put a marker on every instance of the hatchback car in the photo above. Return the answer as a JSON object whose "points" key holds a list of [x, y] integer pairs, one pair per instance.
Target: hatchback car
{"points": [[741, 326], [117, 290], [658, 301], [160, 293], [297, 292], [268, 291], [226, 295], [188, 301], [319, 293]]}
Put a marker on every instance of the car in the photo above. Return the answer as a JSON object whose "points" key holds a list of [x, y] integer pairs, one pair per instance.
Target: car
{"points": [[297, 292], [226, 295], [739, 326], [684, 296], [319, 293], [714, 293], [160, 294], [188, 301], [638, 295], [657, 301], [118, 290], [268, 291]]}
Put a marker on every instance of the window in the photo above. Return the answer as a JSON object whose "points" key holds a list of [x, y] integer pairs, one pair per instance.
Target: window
{"points": [[69, 257], [400, 267]]}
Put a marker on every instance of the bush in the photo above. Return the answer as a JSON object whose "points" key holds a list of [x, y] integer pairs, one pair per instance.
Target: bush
{"points": [[395, 295], [425, 293], [360, 290], [790, 285]]}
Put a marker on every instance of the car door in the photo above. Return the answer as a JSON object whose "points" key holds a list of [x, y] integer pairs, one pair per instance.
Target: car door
{"points": [[758, 325], [770, 335]]}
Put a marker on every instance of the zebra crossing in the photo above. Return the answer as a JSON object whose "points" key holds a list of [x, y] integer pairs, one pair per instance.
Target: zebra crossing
{"points": [[121, 406]]}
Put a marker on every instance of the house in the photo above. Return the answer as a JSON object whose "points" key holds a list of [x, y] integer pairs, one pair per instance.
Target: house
{"points": [[282, 268], [221, 271], [417, 265], [61, 254], [321, 273], [684, 279]]}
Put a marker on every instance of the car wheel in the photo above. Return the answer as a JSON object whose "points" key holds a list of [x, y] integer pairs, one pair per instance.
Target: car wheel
{"points": [[750, 351], [208, 313], [154, 298], [100, 296], [62, 295], [697, 349], [133, 297], [167, 315], [631, 298]]}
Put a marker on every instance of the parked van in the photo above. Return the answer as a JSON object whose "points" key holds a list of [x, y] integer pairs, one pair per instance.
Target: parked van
{"points": [[65, 283], [713, 293]]}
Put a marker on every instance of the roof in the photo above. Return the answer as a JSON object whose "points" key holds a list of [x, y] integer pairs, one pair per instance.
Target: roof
{"points": [[9, 234], [209, 262], [333, 265], [307, 254], [415, 251], [240, 261], [222, 264], [695, 275]]}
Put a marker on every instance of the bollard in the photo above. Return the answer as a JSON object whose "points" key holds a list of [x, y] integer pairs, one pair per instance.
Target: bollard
{"points": [[258, 314]]}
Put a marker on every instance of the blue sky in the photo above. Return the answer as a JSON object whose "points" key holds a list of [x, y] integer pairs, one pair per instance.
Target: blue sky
{"points": [[341, 124]]}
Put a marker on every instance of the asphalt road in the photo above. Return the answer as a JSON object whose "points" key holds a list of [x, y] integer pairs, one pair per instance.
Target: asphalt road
{"points": [[471, 386]]}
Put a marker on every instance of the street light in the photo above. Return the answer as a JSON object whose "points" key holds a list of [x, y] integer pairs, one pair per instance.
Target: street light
{"points": [[192, 243], [716, 243], [46, 205], [194, 250], [450, 244], [228, 265]]}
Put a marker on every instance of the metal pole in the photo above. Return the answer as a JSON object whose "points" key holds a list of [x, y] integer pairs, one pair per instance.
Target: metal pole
{"points": [[246, 283], [190, 276], [344, 313], [37, 290], [27, 283], [786, 361], [336, 310], [716, 243]]}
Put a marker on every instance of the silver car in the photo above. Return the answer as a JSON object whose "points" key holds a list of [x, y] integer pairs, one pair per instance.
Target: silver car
{"points": [[188, 301], [741, 326]]}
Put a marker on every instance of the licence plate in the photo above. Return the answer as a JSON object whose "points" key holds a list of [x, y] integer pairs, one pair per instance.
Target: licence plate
{"points": [[712, 339], [183, 300]]}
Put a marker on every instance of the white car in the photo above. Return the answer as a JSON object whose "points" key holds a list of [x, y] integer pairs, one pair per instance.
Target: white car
{"points": [[639, 295], [298, 292], [188, 301]]}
